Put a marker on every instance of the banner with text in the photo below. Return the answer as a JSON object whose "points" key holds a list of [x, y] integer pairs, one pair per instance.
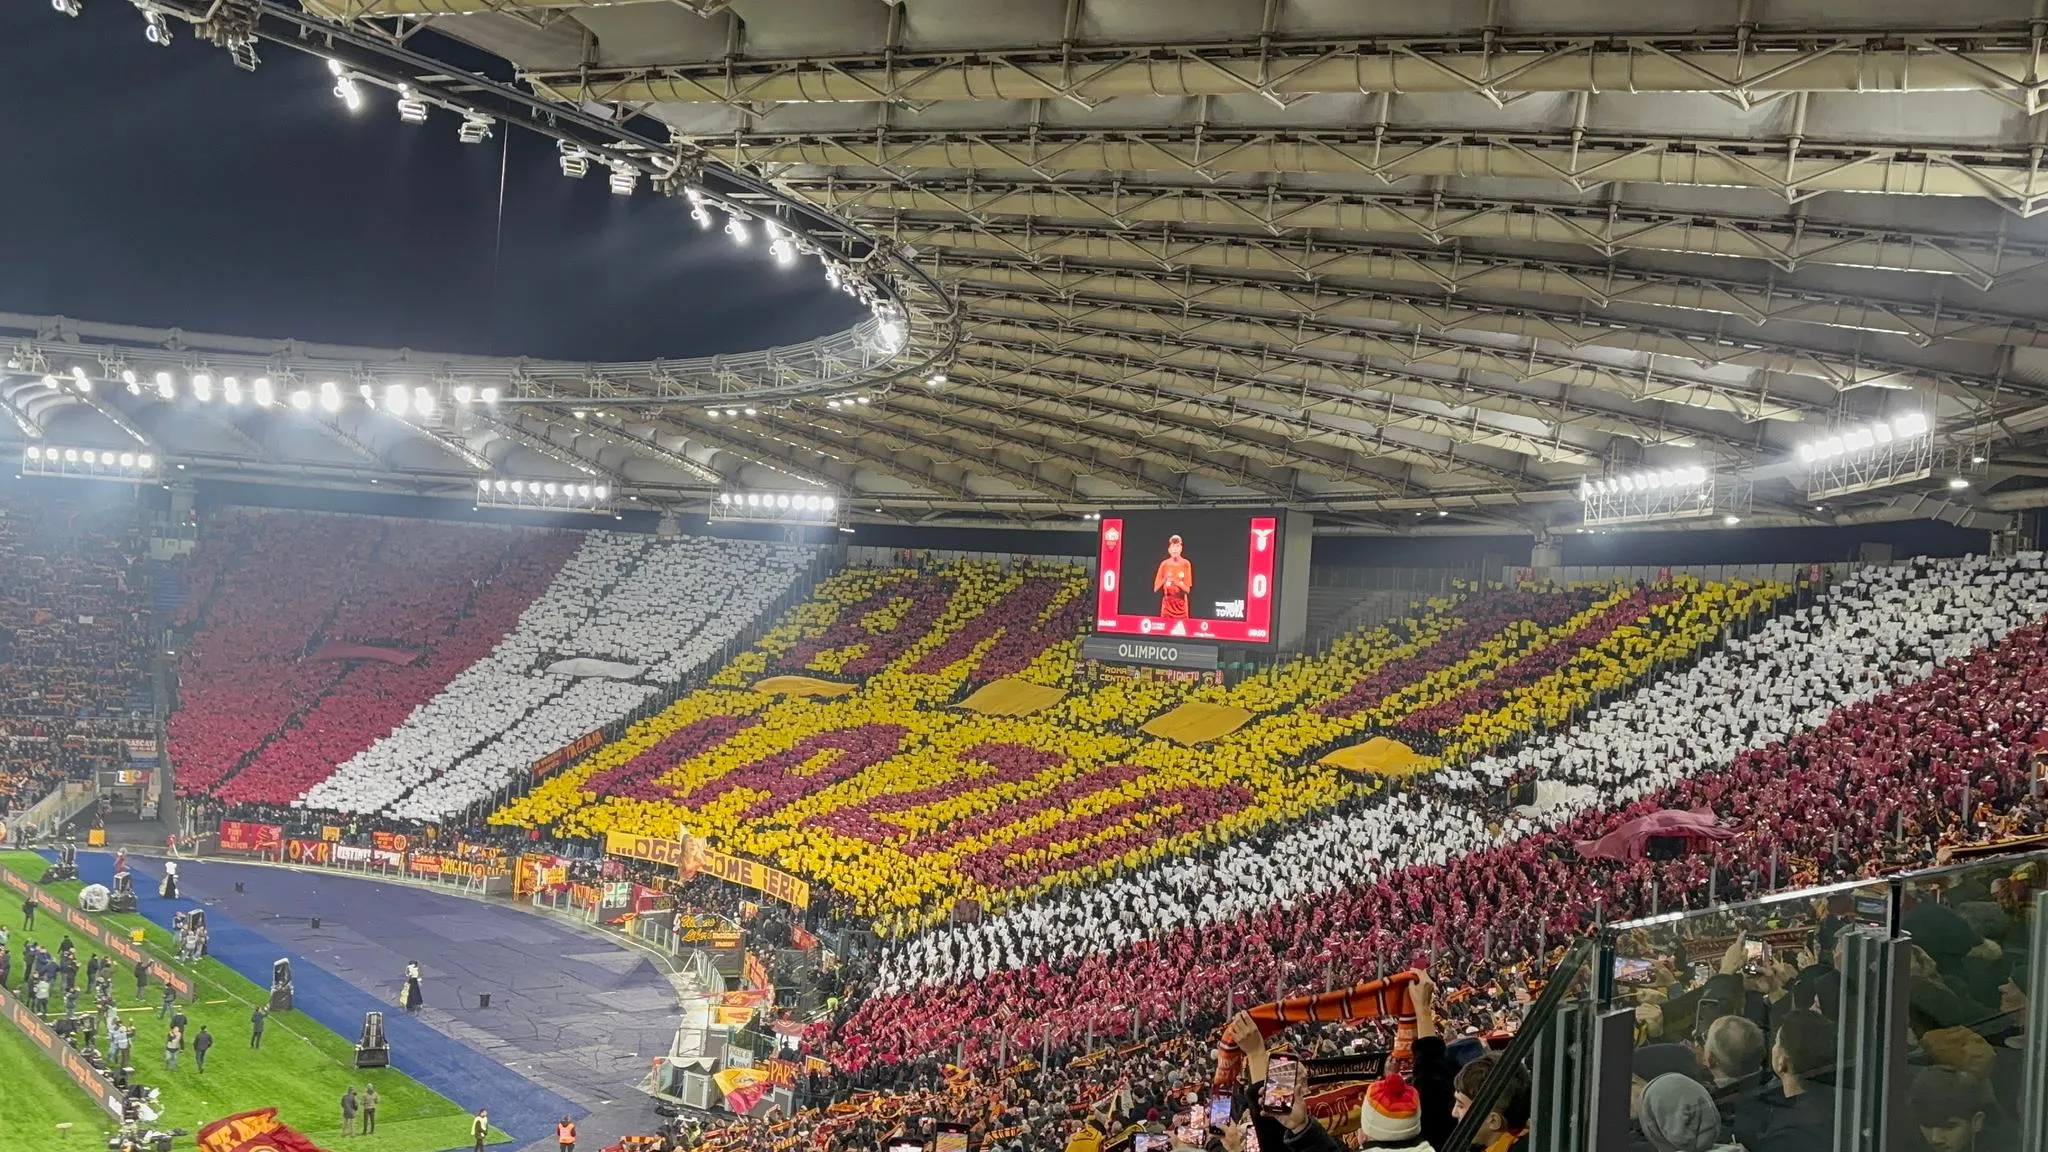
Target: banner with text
{"points": [[693, 856], [561, 757], [242, 836], [256, 1131]]}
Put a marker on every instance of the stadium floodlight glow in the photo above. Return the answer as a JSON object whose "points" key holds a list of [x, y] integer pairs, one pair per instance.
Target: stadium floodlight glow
{"points": [[1957, 483], [624, 179], [423, 401], [302, 400], [261, 391], [935, 380], [488, 395], [66, 7], [330, 396], [397, 399], [166, 386], [463, 394], [79, 378], [133, 381], [155, 28], [411, 109], [345, 89], [230, 390], [546, 495], [889, 336], [736, 227], [574, 160], [779, 246], [202, 387], [698, 211], [815, 509], [474, 129], [1860, 457], [1659, 494], [87, 463]]}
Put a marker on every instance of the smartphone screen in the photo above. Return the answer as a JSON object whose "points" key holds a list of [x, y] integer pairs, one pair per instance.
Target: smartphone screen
{"points": [[1755, 951], [1220, 1107], [1189, 1129], [1631, 970], [1151, 1142], [1283, 1083]]}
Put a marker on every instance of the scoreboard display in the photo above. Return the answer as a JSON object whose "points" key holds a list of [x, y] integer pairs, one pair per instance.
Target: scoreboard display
{"points": [[1198, 574]]}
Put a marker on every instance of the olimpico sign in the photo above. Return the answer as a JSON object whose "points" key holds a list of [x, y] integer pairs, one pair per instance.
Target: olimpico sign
{"points": [[1165, 654]]}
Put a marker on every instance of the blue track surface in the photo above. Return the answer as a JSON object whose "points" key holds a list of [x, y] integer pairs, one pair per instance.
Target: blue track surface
{"points": [[456, 1070]]}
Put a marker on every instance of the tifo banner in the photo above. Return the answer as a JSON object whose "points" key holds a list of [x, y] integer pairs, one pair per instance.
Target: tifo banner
{"points": [[743, 1087], [538, 870], [256, 1131], [141, 751], [560, 757], [390, 841], [781, 1073], [242, 836], [693, 856], [106, 935], [330, 833], [298, 851]]}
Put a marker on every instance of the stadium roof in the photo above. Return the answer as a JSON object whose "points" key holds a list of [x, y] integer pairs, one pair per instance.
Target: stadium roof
{"points": [[1379, 261]]}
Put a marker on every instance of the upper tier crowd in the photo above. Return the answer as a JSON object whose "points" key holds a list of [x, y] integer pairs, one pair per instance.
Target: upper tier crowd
{"points": [[75, 641]]}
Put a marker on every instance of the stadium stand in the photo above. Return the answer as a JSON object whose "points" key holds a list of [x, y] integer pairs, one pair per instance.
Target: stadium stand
{"points": [[75, 641], [642, 612], [905, 806], [1414, 873], [301, 661]]}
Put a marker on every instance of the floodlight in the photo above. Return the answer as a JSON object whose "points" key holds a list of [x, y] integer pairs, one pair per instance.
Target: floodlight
{"points": [[423, 401], [231, 390], [1911, 424], [935, 380], [127, 459], [128, 377], [34, 452], [1731, 520], [330, 396], [624, 179], [202, 387], [66, 7], [500, 485], [548, 488], [145, 461], [828, 503], [156, 29], [1958, 483], [71, 455], [263, 392], [345, 90], [518, 487], [736, 228], [166, 388], [723, 497], [603, 492], [411, 109], [463, 394], [79, 378], [574, 160], [473, 130], [397, 400], [488, 395], [1881, 432]]}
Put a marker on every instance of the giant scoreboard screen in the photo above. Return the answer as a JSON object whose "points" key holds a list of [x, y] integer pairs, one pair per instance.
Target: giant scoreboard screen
{"points": [[1202, 574]]}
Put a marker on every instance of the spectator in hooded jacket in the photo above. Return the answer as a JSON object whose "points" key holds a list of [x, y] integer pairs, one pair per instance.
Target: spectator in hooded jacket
{"points": [[1797, 1113]]}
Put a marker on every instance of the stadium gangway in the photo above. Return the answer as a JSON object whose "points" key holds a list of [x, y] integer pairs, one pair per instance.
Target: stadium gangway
{"points": [[1580, 1057]]}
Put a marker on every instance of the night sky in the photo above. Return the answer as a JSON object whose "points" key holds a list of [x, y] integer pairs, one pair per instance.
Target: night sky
{"points": [[166, 187]]}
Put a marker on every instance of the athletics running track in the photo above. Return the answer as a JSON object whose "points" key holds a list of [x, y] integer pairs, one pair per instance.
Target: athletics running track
{"points": [[574, 1020]]}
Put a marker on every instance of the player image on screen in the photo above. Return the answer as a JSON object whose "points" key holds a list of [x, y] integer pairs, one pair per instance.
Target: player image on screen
{"points": [[1233, 602], [1174, 581]]}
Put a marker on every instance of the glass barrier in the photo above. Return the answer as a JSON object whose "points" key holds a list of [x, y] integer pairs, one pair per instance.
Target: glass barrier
{"points": [[1888, 1015]]}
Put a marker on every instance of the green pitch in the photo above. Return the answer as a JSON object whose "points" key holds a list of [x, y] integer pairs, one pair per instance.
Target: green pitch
{"points": [[301, 1070]]}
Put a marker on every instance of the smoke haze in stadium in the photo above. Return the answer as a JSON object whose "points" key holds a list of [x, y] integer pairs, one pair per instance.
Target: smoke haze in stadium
{"points": [[166, 187]]}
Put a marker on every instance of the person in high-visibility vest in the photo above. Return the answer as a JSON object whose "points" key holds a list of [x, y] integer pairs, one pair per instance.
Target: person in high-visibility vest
{"points": [[565, 1134]]}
